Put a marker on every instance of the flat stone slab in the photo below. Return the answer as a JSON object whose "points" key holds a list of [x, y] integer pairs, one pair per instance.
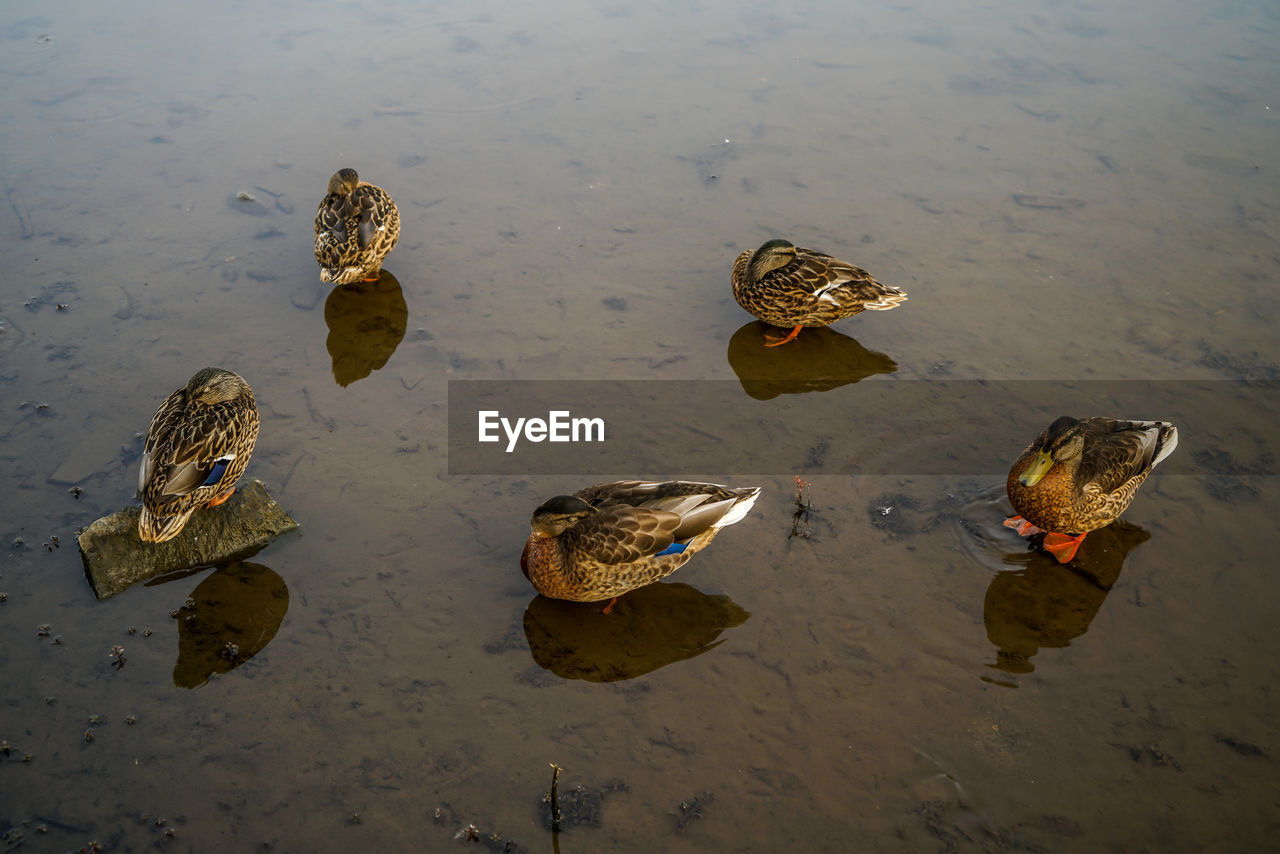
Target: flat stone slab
{"points": [[116, 558]]}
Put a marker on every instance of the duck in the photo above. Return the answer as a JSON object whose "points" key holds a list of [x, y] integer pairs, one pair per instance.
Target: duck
{"points": [[199, 443], [357, 226], [789, 286], [609, 539], [1079, 475]]}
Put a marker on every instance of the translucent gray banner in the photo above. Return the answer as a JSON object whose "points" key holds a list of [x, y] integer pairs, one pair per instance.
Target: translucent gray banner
{"points": [[877, 427]]}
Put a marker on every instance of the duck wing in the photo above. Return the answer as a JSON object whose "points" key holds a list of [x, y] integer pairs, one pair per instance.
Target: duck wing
{"points": [[622, 534], [1116, 451]]}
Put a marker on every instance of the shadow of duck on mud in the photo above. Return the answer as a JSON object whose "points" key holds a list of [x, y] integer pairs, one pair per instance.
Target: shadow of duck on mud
{"points": [[649, 628]]}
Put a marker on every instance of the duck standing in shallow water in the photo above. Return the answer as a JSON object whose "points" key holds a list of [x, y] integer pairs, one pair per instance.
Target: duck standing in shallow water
{"points": [[357, 226], [788, 286], [1080, 475], [609, 539], [197, 446]]}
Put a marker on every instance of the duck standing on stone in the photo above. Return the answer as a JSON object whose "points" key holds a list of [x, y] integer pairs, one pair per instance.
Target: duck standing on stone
{"points": [[357, 226], [788, 286], [1079, 475], [609, 539], [198, 445]]}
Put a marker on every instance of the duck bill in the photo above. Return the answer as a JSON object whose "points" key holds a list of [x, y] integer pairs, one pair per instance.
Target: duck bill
{"points": [[1039, 468]]}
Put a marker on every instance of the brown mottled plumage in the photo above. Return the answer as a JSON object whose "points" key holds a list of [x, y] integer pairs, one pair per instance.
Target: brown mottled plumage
{"points": [[357, 226], [1080, 475], [197, 446], [609, 539], [791, 287]]}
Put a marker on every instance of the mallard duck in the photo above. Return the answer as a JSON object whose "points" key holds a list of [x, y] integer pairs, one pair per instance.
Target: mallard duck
{"points": [[357, 226], [1080, 475], [606, 540], [197, 446], [788, 286]]}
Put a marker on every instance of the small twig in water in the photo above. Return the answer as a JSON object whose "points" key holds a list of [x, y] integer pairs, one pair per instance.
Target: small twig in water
{"points": [[804, 502], [555, 798], [800, 516]]}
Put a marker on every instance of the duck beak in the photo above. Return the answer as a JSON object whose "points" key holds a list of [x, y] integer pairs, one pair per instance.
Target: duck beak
{"points": [[1039, 468]]}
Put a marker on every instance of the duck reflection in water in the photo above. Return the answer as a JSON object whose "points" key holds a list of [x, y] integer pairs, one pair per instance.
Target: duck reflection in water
{"points": [[230, 617], [366, 321], [648, 629], [820, 360], [1047, 604]]}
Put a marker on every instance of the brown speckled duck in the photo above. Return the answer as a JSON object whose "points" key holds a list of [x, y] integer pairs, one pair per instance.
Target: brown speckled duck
{"points": [[197, 446], [788, 286], [357, 226], [1080, 475], [609, 539]]}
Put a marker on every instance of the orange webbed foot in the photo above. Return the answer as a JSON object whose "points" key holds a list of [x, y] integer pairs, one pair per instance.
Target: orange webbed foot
{"points": [[608, 609], [1022, 526], [214, 502], [774, 341], [1063, 546]]}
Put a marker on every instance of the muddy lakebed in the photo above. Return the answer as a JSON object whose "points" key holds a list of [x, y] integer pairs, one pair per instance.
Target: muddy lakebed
{"points": [[1068, 195]]}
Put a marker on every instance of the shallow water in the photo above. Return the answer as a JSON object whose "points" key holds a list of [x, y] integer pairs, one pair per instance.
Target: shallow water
{"points": [[1065, 191]]}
